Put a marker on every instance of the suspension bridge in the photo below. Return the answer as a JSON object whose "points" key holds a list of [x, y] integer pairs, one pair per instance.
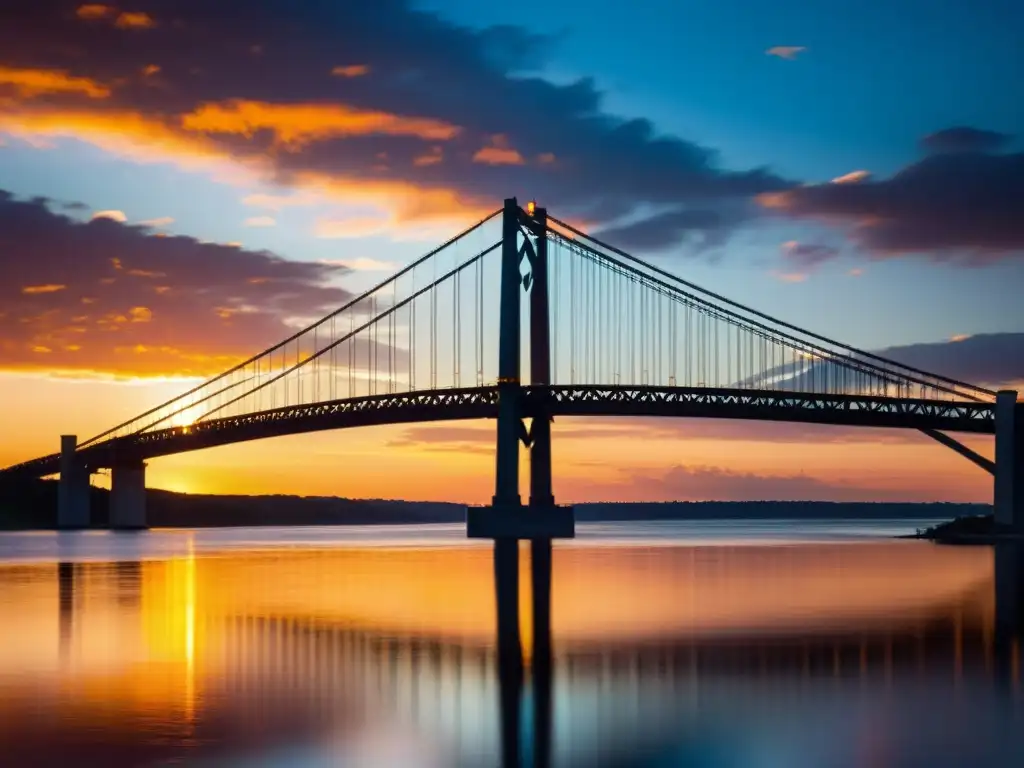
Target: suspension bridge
{"points": [[607, 335]]}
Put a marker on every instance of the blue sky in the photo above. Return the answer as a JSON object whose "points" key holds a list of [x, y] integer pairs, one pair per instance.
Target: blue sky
{"points": [[876, 76]]}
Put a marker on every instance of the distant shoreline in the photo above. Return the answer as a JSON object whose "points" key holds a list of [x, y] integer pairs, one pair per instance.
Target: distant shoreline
{"points": [[968, 530], [33, 507]]}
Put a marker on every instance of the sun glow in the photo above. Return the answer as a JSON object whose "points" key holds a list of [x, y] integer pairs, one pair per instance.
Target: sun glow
{"points": [[186, 418]]}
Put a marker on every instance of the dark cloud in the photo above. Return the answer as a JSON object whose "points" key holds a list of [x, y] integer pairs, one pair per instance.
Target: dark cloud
{"points": [[254, 81], [967, 208], [105, 296], [963, 138], [808, 255], [700, 227], [992, 359]]}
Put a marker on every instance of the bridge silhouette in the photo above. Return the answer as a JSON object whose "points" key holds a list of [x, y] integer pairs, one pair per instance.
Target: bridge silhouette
{"points": [[608, 335]]}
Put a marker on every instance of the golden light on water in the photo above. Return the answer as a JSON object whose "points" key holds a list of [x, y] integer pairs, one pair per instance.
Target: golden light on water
{"points": [[190, 630], [253, 640]]}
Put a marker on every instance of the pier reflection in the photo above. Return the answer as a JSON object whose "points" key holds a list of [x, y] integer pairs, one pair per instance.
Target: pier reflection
{"points": [[248, 654], [535, 747]]}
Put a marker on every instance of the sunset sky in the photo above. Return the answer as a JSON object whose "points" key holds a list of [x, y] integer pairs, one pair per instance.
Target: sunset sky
{"points": [[183, 183]]}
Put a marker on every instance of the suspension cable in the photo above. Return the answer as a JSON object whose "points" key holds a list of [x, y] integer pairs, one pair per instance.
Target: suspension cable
{"points": [[764, 316], [297, 334], [355, 332]]}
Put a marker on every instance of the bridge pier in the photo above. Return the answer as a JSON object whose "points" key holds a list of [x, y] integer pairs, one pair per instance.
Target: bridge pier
{"points": [[73, 487], [128, 496], [1009, 474]]}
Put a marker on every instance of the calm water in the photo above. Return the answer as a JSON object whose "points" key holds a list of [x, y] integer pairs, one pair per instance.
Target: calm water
{"points": [[705, 644]]}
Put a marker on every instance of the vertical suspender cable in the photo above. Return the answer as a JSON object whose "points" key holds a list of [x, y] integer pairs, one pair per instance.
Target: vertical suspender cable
{"points": [[554, 257], [572, 317]]}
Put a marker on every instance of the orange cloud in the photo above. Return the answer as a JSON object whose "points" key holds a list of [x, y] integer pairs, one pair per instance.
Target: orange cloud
{"points": [[144, 139], [546, 158], [134, 20], [498, 153], [123, 133], [352, 70], [295, 125], [788, 52], [191, 142], [402, 203], [434, 156], [852, 177], [94, 11], [48, 288], [150, 69], [140, 314], [113, 215], [774, 200], [28, 83]]}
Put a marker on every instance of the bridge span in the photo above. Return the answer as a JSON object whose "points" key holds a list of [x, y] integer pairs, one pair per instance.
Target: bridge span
{"points": [[608, 335]]}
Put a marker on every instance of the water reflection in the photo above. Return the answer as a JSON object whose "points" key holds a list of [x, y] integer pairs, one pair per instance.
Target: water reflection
{"points": [[867, 654], [541, 575], [66, 603], [511, 663]]}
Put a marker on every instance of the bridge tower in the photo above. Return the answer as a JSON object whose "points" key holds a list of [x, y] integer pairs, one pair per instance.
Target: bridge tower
{"points": [[507, 518], [1009, 463]]}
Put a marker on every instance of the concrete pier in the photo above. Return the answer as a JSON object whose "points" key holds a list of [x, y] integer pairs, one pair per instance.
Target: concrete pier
{"points": [[128, 496], [73, 488], [520, 522], [1009, 474]]}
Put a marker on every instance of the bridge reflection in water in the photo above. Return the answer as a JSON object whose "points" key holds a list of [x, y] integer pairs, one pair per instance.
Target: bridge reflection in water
{"points": [[301, 655]]}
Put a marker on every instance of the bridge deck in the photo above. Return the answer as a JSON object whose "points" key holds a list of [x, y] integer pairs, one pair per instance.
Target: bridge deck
{"points": [[482, 403]]}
